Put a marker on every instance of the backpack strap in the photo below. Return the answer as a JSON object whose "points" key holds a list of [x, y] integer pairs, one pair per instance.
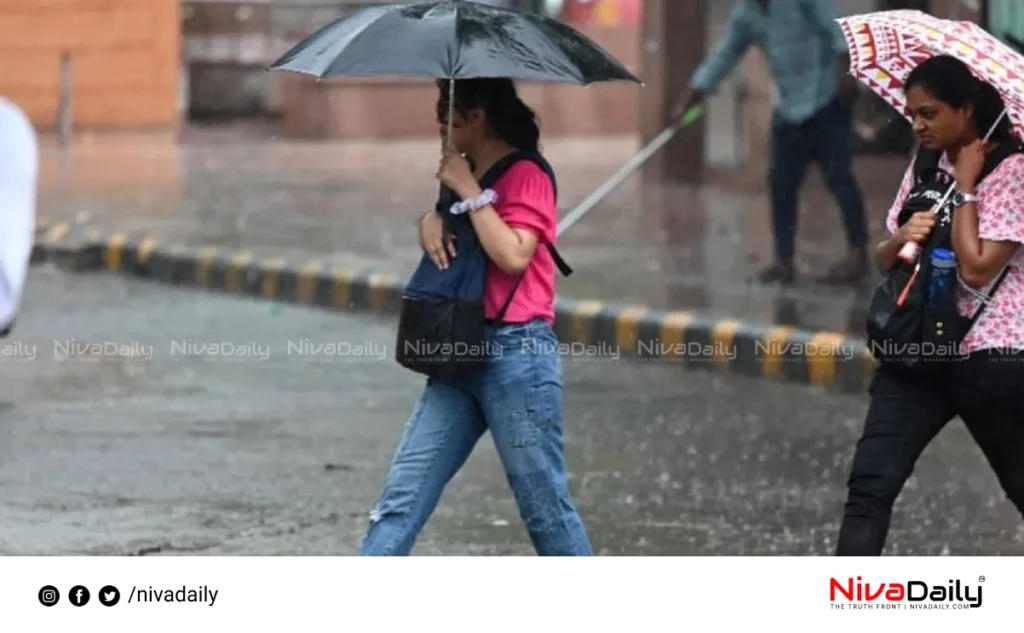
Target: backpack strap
{"points": [[993, 160], [541, 162], [988, 297], [492, 176], [500, 317], [498, 170], [926, 162]]}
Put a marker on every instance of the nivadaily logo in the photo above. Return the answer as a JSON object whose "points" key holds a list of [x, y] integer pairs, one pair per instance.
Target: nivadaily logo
{"points": [[913, 594]]}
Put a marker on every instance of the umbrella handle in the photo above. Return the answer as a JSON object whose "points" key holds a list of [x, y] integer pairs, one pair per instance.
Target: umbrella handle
{"points": [[451, 87], [993, 128], [451, 111]]}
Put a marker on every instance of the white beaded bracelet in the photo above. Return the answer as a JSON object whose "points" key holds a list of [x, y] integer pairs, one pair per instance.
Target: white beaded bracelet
{"points": [[488, 196]]}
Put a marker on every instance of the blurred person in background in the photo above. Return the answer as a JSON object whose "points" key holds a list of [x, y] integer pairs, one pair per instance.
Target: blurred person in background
{"points": [[19, 167], [812, 121]]}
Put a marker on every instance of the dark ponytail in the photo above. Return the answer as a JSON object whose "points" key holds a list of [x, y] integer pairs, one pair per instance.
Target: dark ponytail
{"points": [[509, 117], [950, 80]]}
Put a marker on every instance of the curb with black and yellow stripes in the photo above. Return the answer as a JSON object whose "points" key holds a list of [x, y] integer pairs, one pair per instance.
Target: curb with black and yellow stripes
{"points": [[589, 330], [826, 359]]}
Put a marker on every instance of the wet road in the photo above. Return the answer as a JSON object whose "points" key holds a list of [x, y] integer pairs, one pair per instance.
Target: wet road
{"points": [[354, 204], [165, 446]]}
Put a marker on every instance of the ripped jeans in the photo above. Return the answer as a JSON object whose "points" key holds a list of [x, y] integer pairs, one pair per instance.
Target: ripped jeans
{"points": [[518, 398]]}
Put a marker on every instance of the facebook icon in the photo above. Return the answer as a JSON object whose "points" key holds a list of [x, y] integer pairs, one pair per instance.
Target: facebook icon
{"points": [[79, 596]]}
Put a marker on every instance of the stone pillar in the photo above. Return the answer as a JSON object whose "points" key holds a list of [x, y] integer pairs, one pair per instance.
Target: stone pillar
{"points": [[672, 44]]}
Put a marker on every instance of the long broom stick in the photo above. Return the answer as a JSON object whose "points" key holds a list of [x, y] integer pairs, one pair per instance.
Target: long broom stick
{"points": [[627, 170]]}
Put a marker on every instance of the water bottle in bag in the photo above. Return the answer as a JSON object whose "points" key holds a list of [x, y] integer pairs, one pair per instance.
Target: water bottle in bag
{"points": [[942, 286]]}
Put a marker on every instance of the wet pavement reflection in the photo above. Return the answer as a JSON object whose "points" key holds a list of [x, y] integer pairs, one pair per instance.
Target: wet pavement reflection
{"points": [[173, 422], [354, 204]]}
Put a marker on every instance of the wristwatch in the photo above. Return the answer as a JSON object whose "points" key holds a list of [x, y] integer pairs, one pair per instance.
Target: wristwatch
{"points": [[959, 199]]}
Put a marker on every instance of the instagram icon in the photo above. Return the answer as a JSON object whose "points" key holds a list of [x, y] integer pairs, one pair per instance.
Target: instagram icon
{"points": [[49, 596]]}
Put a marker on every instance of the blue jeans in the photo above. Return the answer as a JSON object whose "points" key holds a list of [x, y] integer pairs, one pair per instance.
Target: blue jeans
{"points": [[827, 139], [518, 397]]}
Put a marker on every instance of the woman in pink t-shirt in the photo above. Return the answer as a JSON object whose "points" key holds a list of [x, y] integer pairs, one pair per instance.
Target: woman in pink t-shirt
{"points": [[952, 112], [518, 396]]}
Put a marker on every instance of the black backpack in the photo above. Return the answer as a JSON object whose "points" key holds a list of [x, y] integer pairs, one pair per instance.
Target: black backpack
{"points": [[920, 337]]}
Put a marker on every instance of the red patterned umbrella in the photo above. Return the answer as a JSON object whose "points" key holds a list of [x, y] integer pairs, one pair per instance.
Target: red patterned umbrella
{"points": [[886, 45]]}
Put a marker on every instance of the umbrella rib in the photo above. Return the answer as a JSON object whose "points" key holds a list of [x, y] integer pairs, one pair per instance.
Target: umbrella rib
{"points": [[372, 31], [335, 45], [564, 59], [367, 28], [565, 30]]}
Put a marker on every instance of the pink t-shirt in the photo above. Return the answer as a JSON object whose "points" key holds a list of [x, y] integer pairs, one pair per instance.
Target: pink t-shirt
{"points": [[1000, 218], [526, 200]]}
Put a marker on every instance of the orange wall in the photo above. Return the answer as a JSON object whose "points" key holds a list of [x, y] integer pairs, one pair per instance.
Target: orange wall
{"points": [[125, 56]]}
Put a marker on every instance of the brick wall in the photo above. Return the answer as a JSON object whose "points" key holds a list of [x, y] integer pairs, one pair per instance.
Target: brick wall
{"points": [[125, 60]]}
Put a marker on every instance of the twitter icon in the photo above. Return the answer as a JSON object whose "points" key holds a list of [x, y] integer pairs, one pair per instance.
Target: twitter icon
{"points": [[109, 596]]}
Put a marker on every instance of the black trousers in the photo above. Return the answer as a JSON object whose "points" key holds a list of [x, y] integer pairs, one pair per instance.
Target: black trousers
{"points": [[827, 139], [986, 390]]}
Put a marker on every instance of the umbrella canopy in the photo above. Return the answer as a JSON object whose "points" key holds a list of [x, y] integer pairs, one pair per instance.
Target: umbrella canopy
{"points": [[887, 45], [452, 39]]}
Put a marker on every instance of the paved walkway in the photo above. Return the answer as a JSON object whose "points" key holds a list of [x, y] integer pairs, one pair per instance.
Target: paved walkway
{"points": [[138, 418], [355, 203]]}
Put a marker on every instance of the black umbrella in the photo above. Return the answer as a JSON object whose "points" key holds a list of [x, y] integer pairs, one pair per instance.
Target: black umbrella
{"points": [[452, 39]]}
